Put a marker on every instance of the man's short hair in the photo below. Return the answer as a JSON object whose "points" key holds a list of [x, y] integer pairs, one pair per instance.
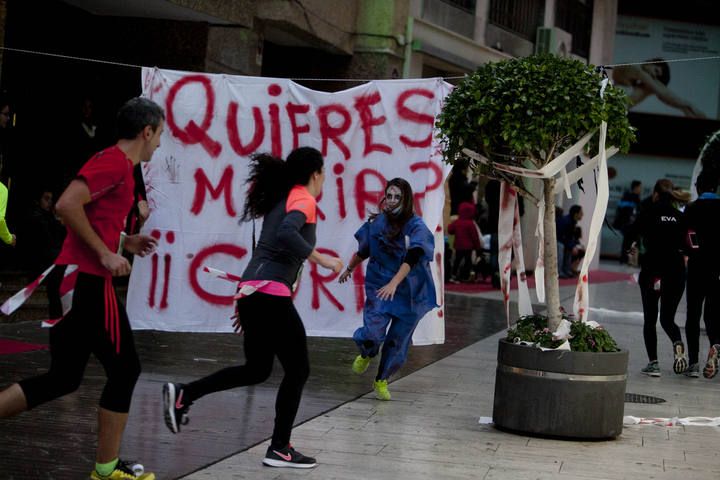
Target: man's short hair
{"points": [[575, 209], [135, 115], [634, 184]]}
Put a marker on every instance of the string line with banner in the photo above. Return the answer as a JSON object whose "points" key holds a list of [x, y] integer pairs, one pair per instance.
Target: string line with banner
{"points": [[368, 134]]}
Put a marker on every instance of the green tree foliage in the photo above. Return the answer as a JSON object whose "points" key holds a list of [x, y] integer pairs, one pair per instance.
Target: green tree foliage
{"points": [[530, 108]]}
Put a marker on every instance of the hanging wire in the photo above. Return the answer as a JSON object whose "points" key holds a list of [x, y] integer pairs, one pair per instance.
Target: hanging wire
{"points": [[674, 60], [70, 57], [359, 80]]}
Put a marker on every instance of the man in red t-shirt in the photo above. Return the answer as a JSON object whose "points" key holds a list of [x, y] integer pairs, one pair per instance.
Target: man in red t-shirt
{"points": [[93, 208]]}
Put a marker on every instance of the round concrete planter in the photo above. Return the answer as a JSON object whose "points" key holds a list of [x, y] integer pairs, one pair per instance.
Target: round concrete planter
{"points": [[560, 393]]}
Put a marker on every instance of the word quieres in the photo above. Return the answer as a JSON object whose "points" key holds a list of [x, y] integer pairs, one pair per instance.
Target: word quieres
{"points": [[365, 197], [334, 120]]}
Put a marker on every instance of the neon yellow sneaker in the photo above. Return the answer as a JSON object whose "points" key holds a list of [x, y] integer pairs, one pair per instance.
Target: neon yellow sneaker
{"points": [[360, 364], [381, 390], [125, 471]]}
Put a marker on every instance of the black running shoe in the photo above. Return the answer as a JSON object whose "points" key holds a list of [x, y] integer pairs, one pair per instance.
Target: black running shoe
{"points": [[175, 407], [287, 457]]}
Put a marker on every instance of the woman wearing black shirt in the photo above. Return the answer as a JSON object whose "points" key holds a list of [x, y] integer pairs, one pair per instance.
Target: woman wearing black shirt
{"points": [[660, 234]]}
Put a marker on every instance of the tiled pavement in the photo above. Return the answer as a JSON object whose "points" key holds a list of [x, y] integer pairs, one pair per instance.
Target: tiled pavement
{"points": [[429, 430]]}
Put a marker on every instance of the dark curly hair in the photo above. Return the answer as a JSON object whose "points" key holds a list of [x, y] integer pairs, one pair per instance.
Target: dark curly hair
{"points": [[271, 178]]}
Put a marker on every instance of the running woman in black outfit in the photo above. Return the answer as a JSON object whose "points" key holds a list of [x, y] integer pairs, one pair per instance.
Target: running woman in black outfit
{"points": [[703, 283], [284, 193], [660, 234]]}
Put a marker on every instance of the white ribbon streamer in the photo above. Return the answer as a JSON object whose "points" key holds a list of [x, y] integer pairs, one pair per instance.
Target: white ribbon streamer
{"points": [[581, 302], [509, 243], [508, 198], [540, 262], [524, 302], [672, 422]]}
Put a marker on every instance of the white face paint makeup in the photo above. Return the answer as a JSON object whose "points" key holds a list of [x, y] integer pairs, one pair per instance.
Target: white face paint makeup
{"points": [[393, 197]]}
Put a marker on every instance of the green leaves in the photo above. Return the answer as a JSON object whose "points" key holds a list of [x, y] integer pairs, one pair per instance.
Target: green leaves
{"points": [[525, 105]]}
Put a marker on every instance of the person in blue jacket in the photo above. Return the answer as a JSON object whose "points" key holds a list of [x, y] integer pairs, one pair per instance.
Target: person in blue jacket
{"points": [[399, 287]]}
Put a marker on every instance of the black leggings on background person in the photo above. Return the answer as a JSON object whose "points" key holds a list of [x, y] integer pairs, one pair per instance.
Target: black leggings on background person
{"points": [[672, 285], [271, 327], [82, 332], [703, 286]]}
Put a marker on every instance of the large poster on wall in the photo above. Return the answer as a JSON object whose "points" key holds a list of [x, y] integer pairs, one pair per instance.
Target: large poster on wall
{"points": [[684, 88], [195, 183]]}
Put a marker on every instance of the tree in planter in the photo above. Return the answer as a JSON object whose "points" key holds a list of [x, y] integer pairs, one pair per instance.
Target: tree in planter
{"points": [[524, 112]]}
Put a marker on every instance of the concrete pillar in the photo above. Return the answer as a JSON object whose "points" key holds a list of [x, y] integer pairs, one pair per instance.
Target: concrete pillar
{"points": [[482, 11], [549, 18], [379, 50], [602, 41]]}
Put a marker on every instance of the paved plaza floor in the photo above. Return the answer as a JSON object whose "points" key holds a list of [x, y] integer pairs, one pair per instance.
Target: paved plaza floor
{"points": [[430, 430]]}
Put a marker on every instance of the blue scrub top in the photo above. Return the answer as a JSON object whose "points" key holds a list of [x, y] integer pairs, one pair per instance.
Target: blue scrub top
{"points": [[415, 296]]}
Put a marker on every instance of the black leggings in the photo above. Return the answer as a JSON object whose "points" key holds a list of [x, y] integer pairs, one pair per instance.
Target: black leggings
{"points": [[271, 327], [97, 324], [462, 264], [703, 286], [672, 285]]}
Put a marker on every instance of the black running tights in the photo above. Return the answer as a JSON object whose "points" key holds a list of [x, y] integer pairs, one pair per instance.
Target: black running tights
{"points": [[97, 324], [672, 285], [271, 327], [703, 287]]}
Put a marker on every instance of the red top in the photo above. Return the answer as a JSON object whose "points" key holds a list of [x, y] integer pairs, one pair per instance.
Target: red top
{"points": [[109, 177]]}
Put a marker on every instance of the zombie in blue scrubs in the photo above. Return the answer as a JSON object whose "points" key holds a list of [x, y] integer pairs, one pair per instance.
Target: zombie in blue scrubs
{"points": [[399, 287]]}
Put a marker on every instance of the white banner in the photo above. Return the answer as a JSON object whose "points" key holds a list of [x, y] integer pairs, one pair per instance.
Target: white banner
{"points": [[196, 189]]}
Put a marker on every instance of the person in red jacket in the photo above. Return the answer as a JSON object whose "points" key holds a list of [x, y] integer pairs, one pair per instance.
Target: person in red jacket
{"points": [[467, 239]]}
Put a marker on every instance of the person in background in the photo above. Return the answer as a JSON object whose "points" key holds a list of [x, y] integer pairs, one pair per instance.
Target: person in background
{"points": [[399, 287], [41, 241], [140, 210], [6, 145], [625, 215], [7, 142], [703, 273], [492, 198], [5, 235], [568, 243], [659, 235], [461, 189], [467, 241]]}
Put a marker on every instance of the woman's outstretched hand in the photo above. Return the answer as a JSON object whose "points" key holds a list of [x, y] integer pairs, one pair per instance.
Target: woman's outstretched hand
{"points": [[387, 292], [332, 263], [345, 276]]}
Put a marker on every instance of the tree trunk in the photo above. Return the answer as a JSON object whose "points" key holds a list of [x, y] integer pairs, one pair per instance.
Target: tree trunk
{"points": [[552, 289]]}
